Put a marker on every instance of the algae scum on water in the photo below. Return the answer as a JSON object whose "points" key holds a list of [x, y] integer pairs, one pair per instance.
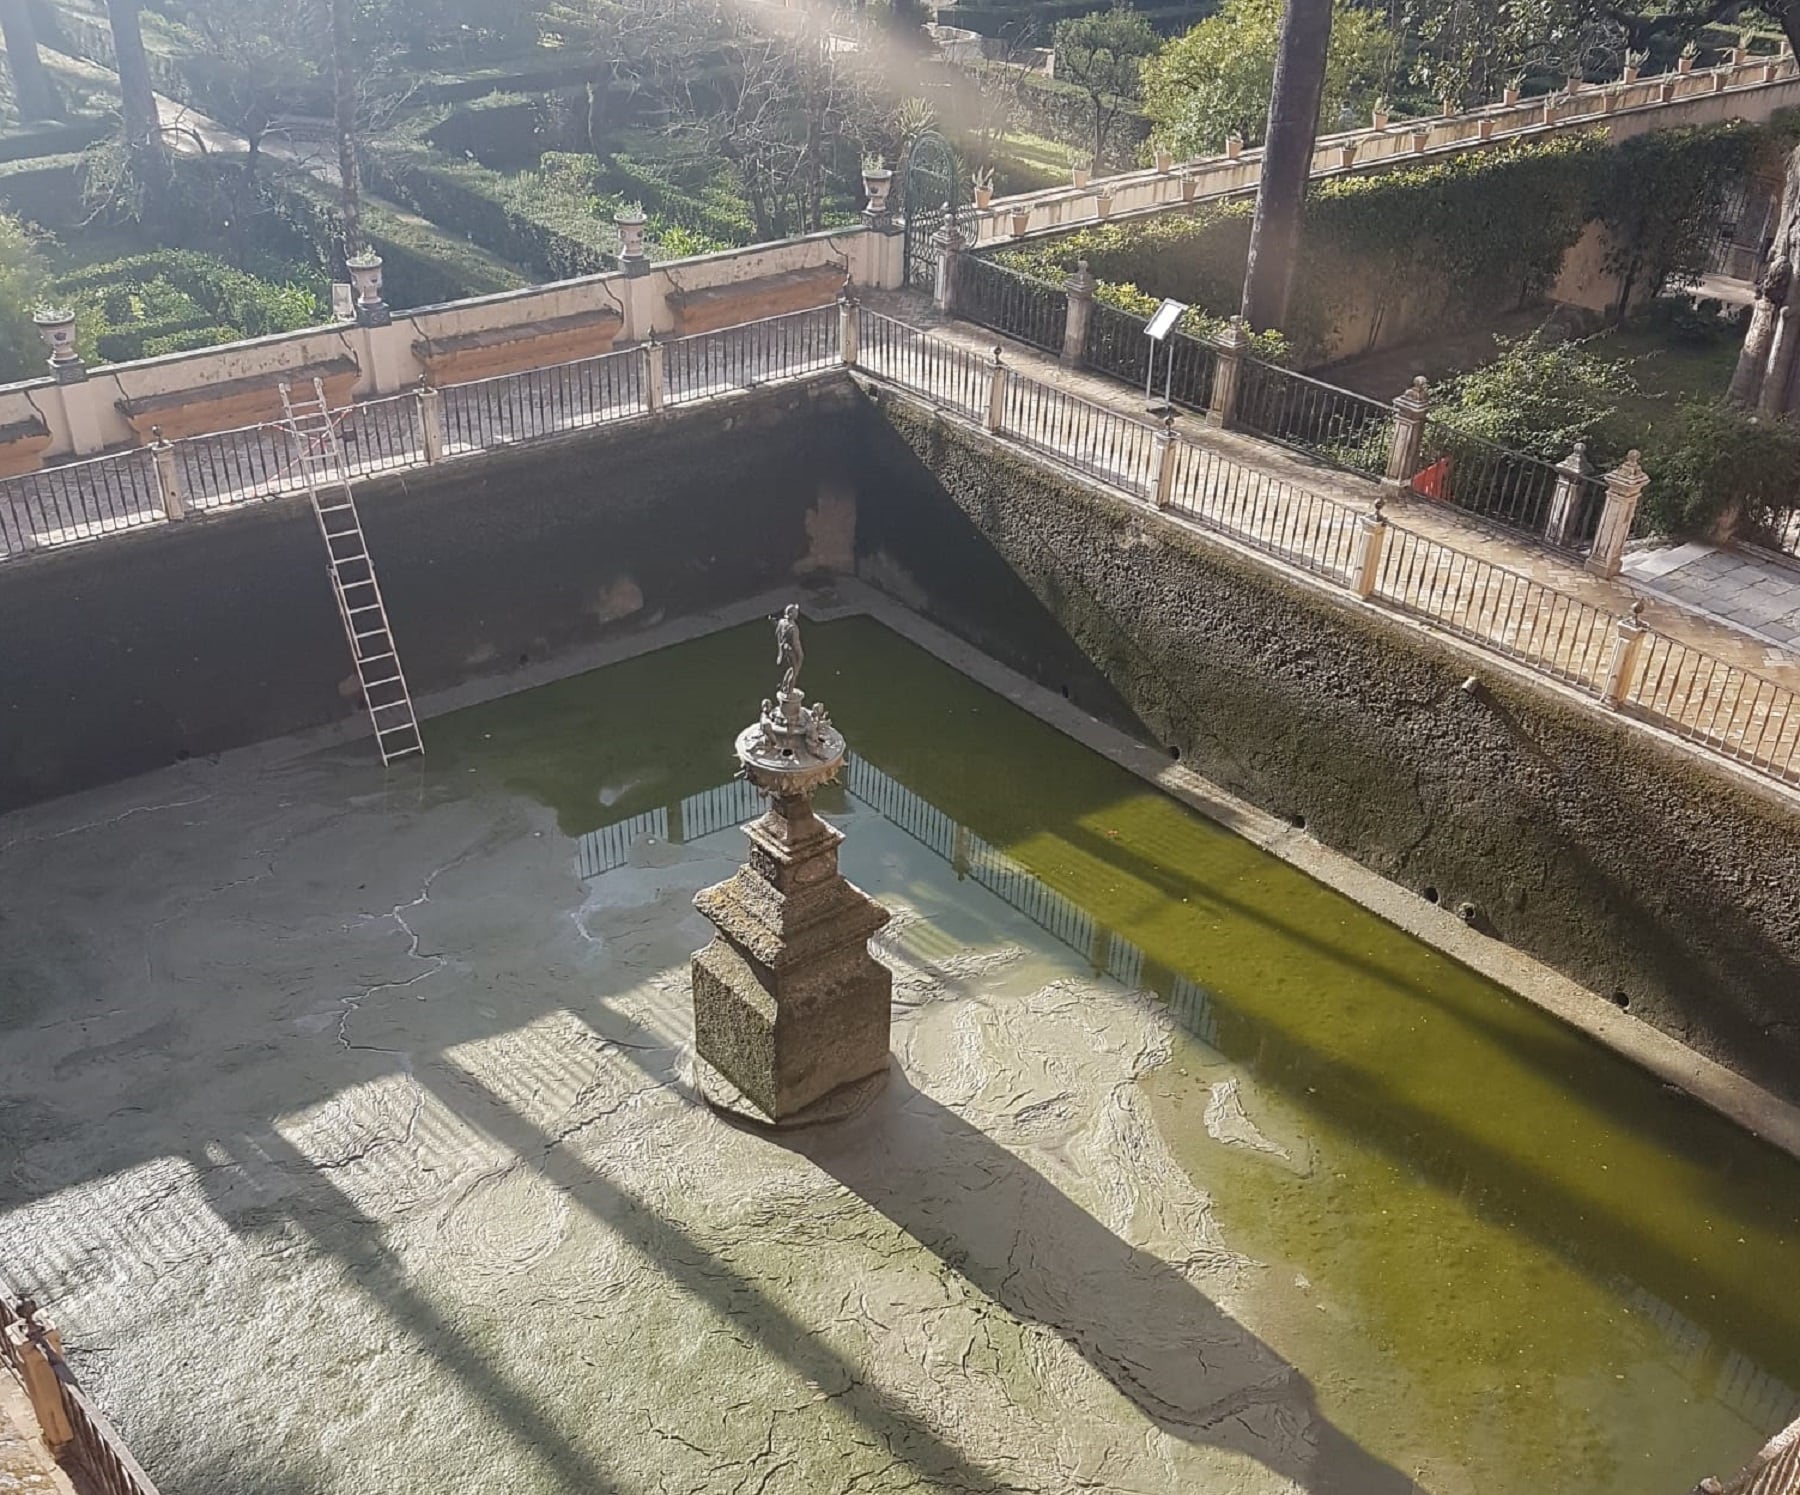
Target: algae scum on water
{"points": [[405, 1147]]}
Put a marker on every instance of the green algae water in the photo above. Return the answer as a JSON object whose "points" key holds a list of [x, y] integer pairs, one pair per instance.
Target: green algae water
{"points": [[1507, 1260]]}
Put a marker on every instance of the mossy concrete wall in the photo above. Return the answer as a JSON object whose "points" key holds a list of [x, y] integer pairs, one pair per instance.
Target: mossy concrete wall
{"points": [[1640, 871]]}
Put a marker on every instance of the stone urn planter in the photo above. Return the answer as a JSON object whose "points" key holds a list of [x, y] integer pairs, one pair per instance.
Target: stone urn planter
{"points": [[630, 221], [1080, 175], [1165, 159], [1378, 118], [1347, 154], [1234, 147], [1103, 203], [1021, 221], [878, 182], [56, 326], [984, 197]]}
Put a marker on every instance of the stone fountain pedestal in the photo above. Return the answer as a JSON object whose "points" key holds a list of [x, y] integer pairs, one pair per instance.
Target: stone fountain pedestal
{"points": [[791, 1012]]}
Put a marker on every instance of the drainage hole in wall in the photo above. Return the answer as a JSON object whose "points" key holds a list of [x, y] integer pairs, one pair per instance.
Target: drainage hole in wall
{"points": [[1065, 691], [182, 755], [1174, 752], [1299, 822], [524, 659], [1621, 1001], [1431, 895]]}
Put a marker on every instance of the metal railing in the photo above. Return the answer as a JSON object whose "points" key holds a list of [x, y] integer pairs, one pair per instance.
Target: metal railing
{"points": [[1504, 487], [79, 501], [1033, 311], [1092, 438], [543, 402], [705, 364], [1345, 429], [94, 1447], [1733, 711], [1558, 635], [1306, 529], [951, 376]]}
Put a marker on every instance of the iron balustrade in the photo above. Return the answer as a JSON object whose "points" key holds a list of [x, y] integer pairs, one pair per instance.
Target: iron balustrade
{"points": [[95, 1448], [1504, 487], [1558, 635], [78, 501], [1181, 365], [543, 402], [1733, 711], [1094, 439], [1347, 430], [706, 364], [1021, 306], [940, 371], [1305, 529]]}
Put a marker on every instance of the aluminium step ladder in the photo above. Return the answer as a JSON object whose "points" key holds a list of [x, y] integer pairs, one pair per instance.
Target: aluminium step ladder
{"points": [[319, 456]]}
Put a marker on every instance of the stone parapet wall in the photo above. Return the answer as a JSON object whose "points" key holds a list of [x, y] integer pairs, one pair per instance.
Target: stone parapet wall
{"points": [[1639, 871]]}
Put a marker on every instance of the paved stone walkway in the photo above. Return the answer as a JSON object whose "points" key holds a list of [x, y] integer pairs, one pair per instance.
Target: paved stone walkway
{"points": [[1755, 593]]}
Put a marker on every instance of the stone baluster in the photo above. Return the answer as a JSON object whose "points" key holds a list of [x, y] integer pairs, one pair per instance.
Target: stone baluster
{"points": [[169, 480], [948, 243], [1080, 290], [431, 422], [1565, 505], [1408, 439], [1625, 486], [1232, 344], [654, 374], [1163, 447], [849, 330], [1371, 538], [998, 377], [1628, 643]]}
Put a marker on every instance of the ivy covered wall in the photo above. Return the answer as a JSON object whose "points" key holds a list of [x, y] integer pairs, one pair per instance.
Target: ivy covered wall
{"points": [[1395, 255]]}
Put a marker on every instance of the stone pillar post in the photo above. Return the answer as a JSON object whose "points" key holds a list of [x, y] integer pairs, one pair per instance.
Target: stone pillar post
{"points": [[997, 381], [38, 1371], [1624, 488], [56, 326], [1408, 440], [1232, 346], [1565, 505], [1163, 445], [1628, 643], [431, 423], [948, 243], [1371, 538], [1080, 289], [849, 331], [169, 480], [654, 375]]}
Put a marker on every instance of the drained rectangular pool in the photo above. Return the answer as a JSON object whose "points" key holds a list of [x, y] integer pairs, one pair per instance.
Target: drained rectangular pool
{"points": [[346, 1127]]}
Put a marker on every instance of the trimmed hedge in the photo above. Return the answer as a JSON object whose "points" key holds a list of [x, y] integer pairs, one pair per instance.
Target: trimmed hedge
{"points": [[174, 300], [45, 190], [527, 217]]}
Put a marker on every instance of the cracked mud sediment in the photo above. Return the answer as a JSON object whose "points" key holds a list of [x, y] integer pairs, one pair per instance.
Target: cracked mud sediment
{"points": [[350, 1132]]}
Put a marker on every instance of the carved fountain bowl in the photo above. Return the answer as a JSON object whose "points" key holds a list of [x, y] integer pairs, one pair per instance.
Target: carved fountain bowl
{"points": [[785, 765]]}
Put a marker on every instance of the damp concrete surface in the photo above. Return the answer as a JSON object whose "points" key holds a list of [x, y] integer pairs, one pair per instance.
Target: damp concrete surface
{"points": [[346, 1123]]}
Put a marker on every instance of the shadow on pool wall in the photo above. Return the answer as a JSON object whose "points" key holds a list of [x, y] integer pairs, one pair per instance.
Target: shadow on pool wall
{"points": [[1638, 870]]}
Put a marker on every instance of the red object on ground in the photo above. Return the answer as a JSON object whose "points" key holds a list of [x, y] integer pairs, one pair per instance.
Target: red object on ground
{"points": [[1434, 481]]}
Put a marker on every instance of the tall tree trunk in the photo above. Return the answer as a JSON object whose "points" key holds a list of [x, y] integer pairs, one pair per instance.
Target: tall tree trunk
{"points": [[1772, 290], [137, 96], [1287, 161], [345, 92], [36, 93]]}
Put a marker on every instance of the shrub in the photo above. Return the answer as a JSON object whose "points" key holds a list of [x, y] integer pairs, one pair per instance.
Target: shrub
{"points": [[1541, 396], [1721, 468]]}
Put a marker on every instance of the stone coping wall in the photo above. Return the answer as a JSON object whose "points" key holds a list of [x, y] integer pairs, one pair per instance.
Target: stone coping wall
{"points": [[1634, 868]]}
